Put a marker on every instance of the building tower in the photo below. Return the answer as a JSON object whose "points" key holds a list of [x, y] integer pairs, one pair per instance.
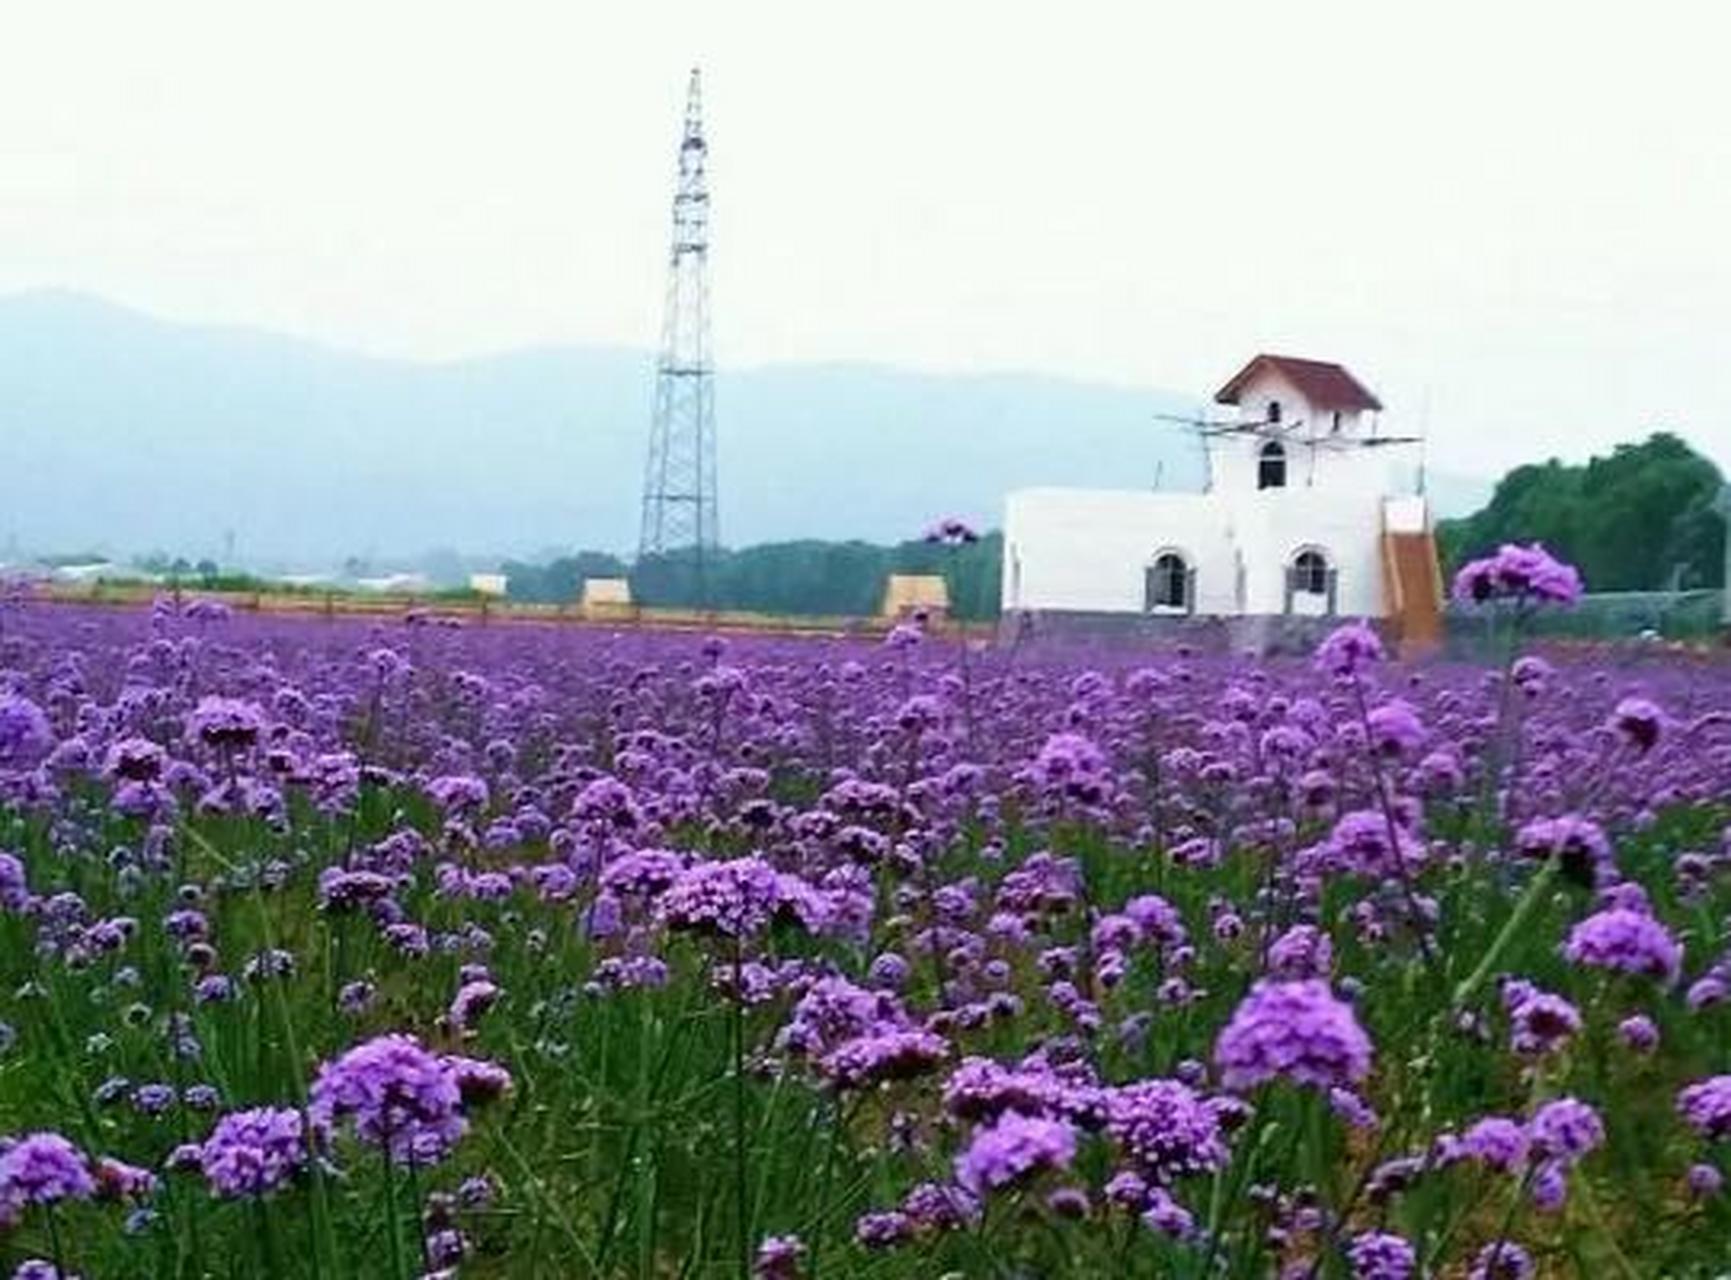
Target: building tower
{"points": [[679, 492]]}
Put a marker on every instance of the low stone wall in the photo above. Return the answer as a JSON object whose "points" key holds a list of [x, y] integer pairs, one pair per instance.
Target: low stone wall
{"points": [[1265, 634]]}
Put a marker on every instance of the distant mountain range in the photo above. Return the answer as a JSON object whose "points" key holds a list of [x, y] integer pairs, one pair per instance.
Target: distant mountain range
{"points": [[123, 432]]}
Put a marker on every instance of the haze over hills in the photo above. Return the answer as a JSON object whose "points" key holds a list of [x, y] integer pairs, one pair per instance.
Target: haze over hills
{"points": [[128, 433]]}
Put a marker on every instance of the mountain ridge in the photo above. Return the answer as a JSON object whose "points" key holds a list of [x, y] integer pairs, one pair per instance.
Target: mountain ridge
{"points": [[140, 433]]}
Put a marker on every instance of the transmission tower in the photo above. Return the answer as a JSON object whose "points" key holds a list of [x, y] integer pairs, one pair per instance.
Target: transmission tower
{"points": [[679, 508]]}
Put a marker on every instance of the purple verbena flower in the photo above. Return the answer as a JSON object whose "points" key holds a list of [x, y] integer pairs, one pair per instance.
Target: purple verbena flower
{"points": [[1639, 720], [1496, 1142], [778, 1258], [1361, 842], [951, 532], [1303, 951], [1348, 649], [1071, 768], [939, 1206], [42, 1269], [1565, 1129], [471, 1001], [893, 1053], [1540, 1020], [1524, 575], [134, 760], [226, 723], [1502, 1260], [1379, 1255], [734, 898], [1014, 1148], [252, 1153], [1165, 1215], [1165, 1129], [882, 1230], [44, 1168], [459, 793], [1625, 940], [399, 1097], [1706, 1106], [1298, 1031], [25, 734], [1578, 843], [1639, 1032], [1395, 729]]}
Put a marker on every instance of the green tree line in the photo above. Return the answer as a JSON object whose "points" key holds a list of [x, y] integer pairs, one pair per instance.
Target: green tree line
{"points": [[809, 576], [1640, 519]]}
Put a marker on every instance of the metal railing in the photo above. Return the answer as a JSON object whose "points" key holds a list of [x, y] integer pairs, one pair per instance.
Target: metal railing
{"points": [[1611, 615]]}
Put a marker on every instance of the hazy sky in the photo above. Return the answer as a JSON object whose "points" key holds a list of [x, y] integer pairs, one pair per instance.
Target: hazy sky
{"points": [[1512, 219]]}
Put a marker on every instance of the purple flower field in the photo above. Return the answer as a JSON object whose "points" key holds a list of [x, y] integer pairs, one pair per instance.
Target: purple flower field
{"points": [[343, 949]]}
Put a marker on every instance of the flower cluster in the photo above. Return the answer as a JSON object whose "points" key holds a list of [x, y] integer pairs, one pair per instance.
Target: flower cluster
{"points": [[252, 1153], [399, 1097], [1626, 940], [1706, 1106], [1012, 1149], [1296, 1031], [1525, 575]]}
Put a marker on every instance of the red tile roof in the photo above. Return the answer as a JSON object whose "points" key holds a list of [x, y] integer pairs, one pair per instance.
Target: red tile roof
{"points": [[1325, 385]]}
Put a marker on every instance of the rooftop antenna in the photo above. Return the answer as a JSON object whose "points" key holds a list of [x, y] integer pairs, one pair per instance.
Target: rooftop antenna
{"points": [[1200, 426], [679, 481]]}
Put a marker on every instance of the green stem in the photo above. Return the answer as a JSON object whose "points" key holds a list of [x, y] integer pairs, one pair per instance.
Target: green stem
{"points": [[1529, 903], [415, 1206], [1221, 1206], [1494, 755], [1403, 873], [840, 1119], [739, 1195], [54, 1242], [324, 1236], [267, 1237], [545, 1203], [1494, 1254], [1604, 1228], [1455, 1220], [391, 1225]]}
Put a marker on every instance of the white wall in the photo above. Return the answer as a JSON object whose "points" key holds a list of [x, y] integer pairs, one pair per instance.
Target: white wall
{"points": [[1086, 550], [1273, 526]]}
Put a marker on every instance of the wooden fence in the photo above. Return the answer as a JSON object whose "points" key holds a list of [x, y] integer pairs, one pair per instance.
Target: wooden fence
{"points": [[481, 610]]}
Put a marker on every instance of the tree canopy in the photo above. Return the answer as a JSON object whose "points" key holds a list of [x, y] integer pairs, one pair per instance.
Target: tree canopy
{"points": [[804, 577], [559, 581], [1641, 519]]}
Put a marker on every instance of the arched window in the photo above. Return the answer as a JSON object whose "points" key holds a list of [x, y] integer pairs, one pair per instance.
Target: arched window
{"points": [[1310, 572], [1271, 466], [1274, 411], [1167, 584]]}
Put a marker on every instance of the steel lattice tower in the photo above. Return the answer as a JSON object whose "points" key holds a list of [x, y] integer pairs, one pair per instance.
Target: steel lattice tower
{"points": [[679, 492]]}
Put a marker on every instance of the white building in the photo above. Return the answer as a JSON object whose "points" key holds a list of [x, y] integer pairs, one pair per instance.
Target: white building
{"points": [[395, 583], [1308, 510]]}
